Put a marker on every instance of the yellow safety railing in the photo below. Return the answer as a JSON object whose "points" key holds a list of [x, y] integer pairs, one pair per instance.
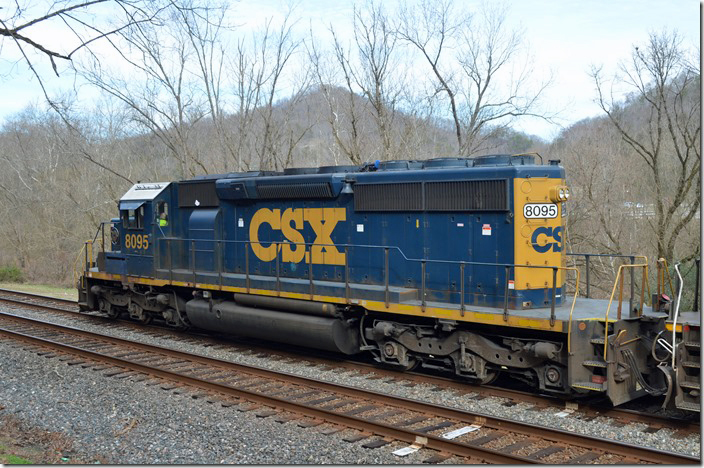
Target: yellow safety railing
{"points": [[574, 301], [88, 250], [661, 281], [619, 280]]}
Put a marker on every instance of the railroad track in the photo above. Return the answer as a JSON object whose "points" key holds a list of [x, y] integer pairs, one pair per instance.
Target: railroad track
{"points": [[586, 411], [378, 418]]}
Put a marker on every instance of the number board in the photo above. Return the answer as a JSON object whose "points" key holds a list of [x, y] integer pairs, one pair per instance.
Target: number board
{"points": [[137, 241], [540, 210]]}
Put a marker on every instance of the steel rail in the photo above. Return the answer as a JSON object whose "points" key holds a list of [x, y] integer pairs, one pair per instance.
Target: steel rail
{"points": [[623, 414], [410, 436]]}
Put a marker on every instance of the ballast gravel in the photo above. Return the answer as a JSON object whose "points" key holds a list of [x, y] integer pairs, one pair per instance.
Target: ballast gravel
{"points": [[118, 421]]}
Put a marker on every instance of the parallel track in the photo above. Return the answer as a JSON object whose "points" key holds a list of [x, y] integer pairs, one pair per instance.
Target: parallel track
{"points": [[623, 416], [323, 402]]}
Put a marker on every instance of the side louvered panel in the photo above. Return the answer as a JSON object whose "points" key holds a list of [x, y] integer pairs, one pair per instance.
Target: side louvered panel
{"points": [[388, 197], [467, 195], [197, 194], [291, 191]]}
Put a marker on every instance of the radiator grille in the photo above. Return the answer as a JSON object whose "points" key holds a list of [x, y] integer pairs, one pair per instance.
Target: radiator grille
{"points": [[466, 195], [202, 192], [289, 191], [389, 197]]}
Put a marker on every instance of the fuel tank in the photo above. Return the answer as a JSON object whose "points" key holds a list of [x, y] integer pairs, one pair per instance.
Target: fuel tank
{"points": [[327, 333]]}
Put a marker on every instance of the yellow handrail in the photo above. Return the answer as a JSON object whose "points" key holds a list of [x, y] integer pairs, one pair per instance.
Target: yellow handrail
{"points": [[574, 301], [75, 265], [86, 245], [613, 291], [669, 278]]}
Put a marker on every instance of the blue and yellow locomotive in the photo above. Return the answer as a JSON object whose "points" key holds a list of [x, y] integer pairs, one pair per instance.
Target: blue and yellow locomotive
{"points": [[450, 263]]}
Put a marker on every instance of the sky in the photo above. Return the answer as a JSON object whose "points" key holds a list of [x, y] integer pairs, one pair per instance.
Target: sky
{"points": [[565, 38]]}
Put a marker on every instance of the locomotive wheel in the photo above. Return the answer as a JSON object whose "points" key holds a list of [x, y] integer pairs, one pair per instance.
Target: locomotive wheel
{"points": [[146, 319], [490, 377], [137, 313], [108, 309]]}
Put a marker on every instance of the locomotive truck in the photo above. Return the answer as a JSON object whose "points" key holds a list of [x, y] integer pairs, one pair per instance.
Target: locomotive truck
{"points": [[457, 264]]}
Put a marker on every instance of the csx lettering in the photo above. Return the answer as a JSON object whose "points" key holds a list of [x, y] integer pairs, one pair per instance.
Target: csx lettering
{"points": [[550, 233], [290, 223], [136, 241]]}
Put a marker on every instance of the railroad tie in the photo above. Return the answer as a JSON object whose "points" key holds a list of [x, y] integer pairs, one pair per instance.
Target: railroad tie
{"points": [[302, 395], [306, 423], [323, 400], [359, 410], [357, 436], [584, 458], [437, 458], [545, 452], [376, 443], [434, 427], [385, 415], [411, 421], [485, 439], [518, 445], [332, 430], [267, 413]]}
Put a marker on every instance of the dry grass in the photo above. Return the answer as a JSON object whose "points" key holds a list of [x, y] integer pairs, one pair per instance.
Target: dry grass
{"points": [[44, 289], [22, 444]]}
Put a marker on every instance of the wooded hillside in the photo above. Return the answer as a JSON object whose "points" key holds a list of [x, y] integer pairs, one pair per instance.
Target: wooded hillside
{"points": [[435, 81]]}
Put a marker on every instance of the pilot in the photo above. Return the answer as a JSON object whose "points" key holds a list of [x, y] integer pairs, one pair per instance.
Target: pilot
{"points": [[162, 220]]}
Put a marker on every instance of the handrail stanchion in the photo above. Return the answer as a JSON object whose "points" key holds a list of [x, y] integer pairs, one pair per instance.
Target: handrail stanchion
{"points": [[633, 288], [461, 289], [506, 294], [310, 272], [422, 287], [168, 255], [278, 278], [587, 257], [642, 293], [220, 262], [193, 261], [102, 237], [246, 265], [347, 277], [617, 282], [386, 277], [569, 323], [554, 296], [86, 266], [620, 298]]}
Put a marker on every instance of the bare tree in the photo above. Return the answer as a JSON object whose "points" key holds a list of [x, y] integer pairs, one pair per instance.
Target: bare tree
{"points": [[158, 87], [491, 87], [665, 134]]}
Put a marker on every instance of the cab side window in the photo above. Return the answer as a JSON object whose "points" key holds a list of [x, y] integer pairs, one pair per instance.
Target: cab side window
{"points": [[162, 214], [133, 219]]}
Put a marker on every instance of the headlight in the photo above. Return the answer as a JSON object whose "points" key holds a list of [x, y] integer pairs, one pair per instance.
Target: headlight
{"points": [[562, 194], [567, 194]]}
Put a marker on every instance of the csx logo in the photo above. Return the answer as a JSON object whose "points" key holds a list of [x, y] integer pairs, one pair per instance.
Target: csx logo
{"points": [[290, 223], [551, 234]]}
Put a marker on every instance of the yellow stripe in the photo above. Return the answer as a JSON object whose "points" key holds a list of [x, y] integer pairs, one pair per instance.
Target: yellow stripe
{"points": [[378, 306], [668, 327]]}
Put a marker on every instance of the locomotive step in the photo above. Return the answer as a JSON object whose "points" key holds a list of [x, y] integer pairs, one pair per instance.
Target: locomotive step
{"points": [[594, 363], [599, 341], [690, 384], [692, 364], [692, 344], [590, 386], [687, 405]]}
